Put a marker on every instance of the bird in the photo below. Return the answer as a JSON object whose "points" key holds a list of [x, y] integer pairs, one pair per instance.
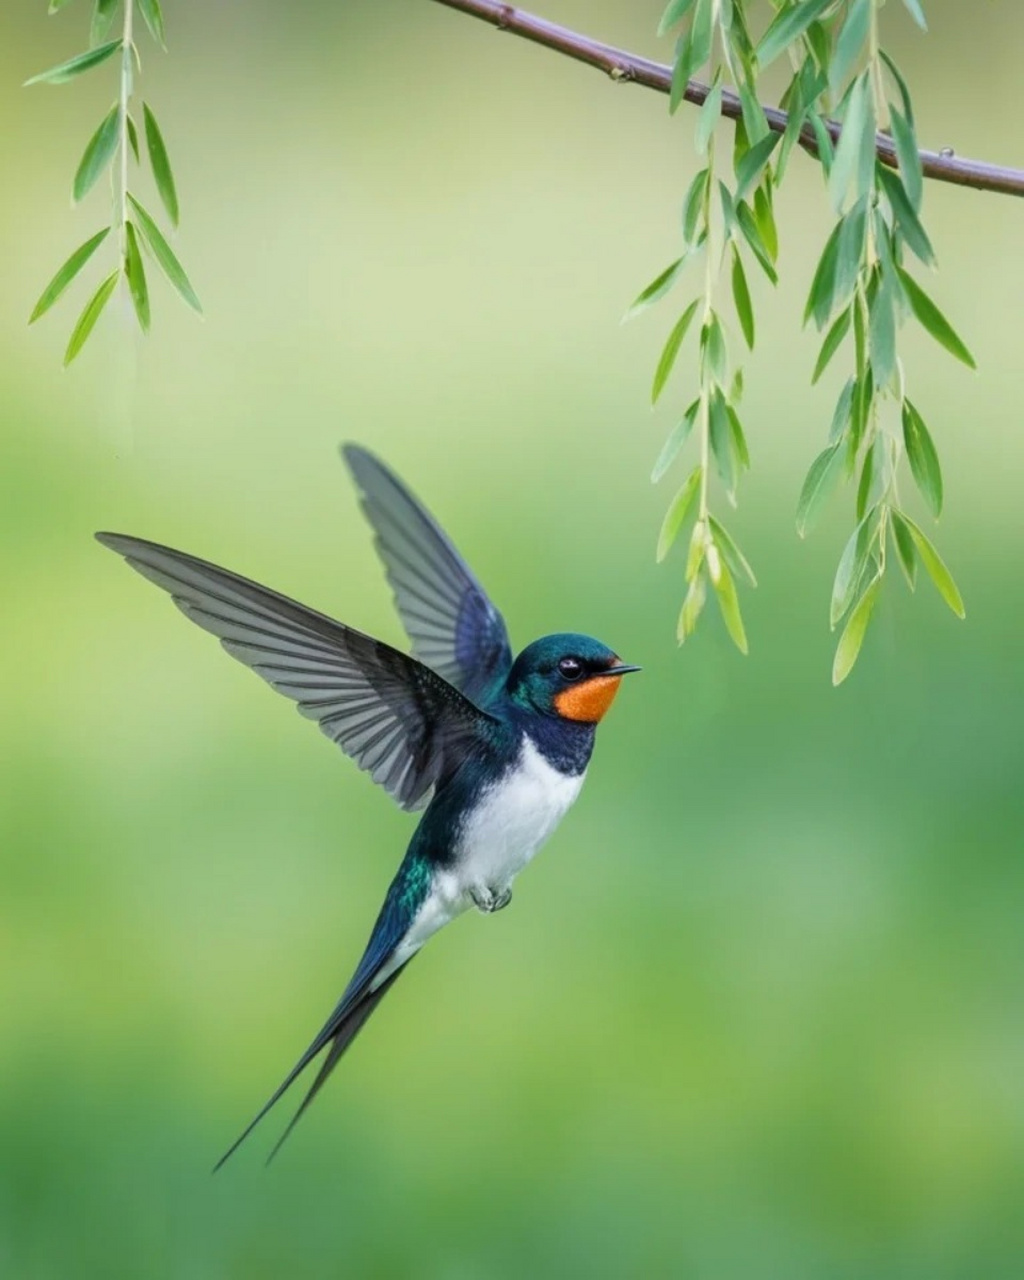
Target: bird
{"points": [[494, 749]]}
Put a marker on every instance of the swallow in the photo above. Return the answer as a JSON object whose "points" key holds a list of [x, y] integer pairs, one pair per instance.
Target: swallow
{"points": [[494, 749]]}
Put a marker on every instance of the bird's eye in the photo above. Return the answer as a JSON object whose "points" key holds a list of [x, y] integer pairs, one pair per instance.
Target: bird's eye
{"points": [[570, 668]]}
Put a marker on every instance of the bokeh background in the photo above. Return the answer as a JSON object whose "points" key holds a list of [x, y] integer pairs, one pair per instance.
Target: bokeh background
{"points": [[757, 1010]]}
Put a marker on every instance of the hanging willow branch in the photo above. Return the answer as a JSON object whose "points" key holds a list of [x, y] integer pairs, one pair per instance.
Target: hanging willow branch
{"points": [[861, 295], [625, 67]]}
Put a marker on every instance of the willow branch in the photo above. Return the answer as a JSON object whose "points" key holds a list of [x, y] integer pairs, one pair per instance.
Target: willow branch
{"points": [[625, 67]]}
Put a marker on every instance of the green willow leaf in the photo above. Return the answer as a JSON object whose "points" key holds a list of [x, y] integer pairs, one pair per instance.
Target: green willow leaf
{"points": [[822, 291], [903, 211], [852, 638], [904, 543], [841, 414], [923, 459], [847, 159], [821, 479], [102, 16], [750, 168], [746, 223], [75, 66], [136, 276], [709, 115], [164, 255], [901, 84], [852, 39], [677, 512], [909, 158], [692, 606], [826, 147], [677, 438], [830, 346], [788, 26], [67, 273], [932, 319], [713, 341], [721, 441], [675, 11], [728, 603], [87, 320], [133, 138], [739, 440], [937, 570], [98, 153], [658, 287], [154, 18], [913, 7], [161, 164], [738, 564], [882, 335], [693, 202], [671, 350], [853, 563], [764, 219]]}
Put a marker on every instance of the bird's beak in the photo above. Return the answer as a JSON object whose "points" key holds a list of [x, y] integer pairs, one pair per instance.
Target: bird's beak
{"points": [[619, 670]]}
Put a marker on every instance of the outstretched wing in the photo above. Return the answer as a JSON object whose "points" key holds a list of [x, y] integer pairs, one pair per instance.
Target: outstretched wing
{"points": [[395, 717], [454, 627]]}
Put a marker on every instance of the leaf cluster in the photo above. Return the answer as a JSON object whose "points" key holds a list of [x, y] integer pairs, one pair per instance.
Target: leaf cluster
{"points": [[861, 294], [117, 138]]}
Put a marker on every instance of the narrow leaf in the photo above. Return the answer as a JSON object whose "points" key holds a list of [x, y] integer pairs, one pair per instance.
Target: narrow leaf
{"points": [[831, 344], [819, 298], [937, 571], [739, 440], [852, 39], [153, 14], [102, 16], [98, 153], [882, 335], [913, 7], [55, 6], [788, 26], [87, 320], [853, 634], [923, 459], [752, 235], [709, 115], [677, 512], [675, 11], [136, 275], [721, 441], [901, 84], [164, 255], [728, 602], [75, 66], [905, 552], [903, 211], [751, 166], [909, 158], [161, 165], [933, 320], [692, 204], [677, 438], [852, 564], [731, 554], [133, 138], [692, 606], [848, 149], [67, 273], [658, 287], [821, 479], [764, 217]]}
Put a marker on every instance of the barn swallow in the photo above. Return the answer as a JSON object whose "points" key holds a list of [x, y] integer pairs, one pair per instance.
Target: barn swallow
{"points": [[494, 749]]}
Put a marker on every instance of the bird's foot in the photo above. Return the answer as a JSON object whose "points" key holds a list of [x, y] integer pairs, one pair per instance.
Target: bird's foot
{"points": [[490, 900]]}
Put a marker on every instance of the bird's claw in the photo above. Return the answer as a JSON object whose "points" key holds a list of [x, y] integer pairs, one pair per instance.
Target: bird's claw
{"points": [[490, 900]]}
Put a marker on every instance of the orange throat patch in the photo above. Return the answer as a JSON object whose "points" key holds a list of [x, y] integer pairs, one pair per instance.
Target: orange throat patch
{"points": [[588, 701]]}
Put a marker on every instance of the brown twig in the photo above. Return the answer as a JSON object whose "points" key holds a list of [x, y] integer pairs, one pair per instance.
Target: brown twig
{"points": [[623, 66]]}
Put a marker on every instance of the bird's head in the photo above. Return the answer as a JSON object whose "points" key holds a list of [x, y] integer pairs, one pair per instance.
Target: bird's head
{"points": [[571, 676]]}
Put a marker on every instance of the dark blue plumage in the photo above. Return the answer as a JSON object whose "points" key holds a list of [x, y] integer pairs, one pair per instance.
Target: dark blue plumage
{"points": [[495, 749]]}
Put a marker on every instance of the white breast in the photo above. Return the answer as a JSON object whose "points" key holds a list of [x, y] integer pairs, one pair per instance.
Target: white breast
{"points": [[514, 818]]}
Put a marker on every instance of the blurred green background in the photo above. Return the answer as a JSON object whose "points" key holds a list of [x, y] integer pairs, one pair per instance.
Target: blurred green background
{"points": [[757, 1010]]}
